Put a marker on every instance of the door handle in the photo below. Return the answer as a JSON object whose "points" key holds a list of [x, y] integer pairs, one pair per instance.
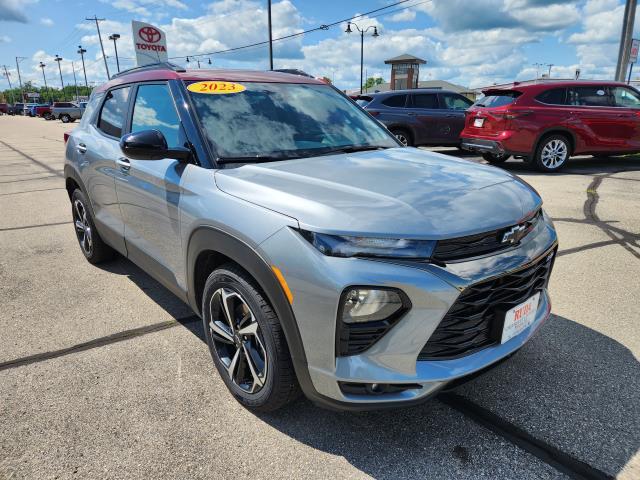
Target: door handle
{"points": [[124, 164], [81, 148]]}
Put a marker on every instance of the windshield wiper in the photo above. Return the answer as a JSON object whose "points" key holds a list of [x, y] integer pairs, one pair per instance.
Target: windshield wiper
{"points": [[252, 159], [351, 149]]}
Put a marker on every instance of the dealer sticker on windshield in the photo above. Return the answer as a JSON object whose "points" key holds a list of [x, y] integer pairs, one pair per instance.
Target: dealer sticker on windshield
{"points": [[519, 318], [216, 87]]}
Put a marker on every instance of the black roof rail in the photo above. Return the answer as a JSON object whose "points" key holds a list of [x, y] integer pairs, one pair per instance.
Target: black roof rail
{"points": [[151, 66]]}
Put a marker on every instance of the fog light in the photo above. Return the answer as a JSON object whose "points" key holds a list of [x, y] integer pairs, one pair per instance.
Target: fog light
{"points": [[369, 305]]}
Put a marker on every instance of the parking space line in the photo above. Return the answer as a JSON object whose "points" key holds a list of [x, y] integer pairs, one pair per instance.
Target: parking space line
{"points": [[549, 454], [30, 179], [38, 162], [8, 229], [32, 191], [99, 342]]}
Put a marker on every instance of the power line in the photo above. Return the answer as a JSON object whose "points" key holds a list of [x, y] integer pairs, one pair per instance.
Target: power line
{"points": [[297, 34]]}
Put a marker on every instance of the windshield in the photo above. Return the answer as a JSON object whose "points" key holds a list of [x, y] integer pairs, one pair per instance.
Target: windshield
{"points": [[282, 120]]}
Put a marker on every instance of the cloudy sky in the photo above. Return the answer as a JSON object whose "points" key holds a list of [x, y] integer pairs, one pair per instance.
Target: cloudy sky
{"points": [[469, 42]]}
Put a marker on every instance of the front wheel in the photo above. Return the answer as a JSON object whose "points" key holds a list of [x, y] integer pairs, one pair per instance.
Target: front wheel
{"points": [[246, 341], [495, 159], [552, 153]]}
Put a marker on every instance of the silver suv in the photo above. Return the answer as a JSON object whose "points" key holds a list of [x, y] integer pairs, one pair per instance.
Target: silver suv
{"points": [[321, 255]]}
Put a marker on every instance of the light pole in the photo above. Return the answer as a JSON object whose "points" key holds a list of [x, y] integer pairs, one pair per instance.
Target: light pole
{"points": [[59, 59], [362, 32], [115, 37], [18, 60], [82, 51], [6, 73], [42, 65], [550, 65]]}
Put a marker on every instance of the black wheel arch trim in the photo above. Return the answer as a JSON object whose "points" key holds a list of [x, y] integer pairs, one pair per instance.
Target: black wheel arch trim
{"points": [[71, 173], [210, 238]]}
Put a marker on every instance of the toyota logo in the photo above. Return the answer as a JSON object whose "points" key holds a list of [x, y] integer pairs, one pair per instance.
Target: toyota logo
{"points": [[149, 34]]}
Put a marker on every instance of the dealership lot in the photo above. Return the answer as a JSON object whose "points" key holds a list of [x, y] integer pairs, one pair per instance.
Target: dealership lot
{"points": [[104, 374]]}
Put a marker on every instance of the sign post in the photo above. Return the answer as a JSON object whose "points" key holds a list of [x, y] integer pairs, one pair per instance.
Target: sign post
{"points": [[633, 56], [150, 43]]}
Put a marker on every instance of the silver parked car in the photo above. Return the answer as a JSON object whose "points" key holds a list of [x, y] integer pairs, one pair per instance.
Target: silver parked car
{"points": [[321, 255]]}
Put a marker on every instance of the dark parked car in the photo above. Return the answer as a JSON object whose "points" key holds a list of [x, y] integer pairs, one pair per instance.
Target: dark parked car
{"points": [[4, 108], [419, 116], [546, 123]]}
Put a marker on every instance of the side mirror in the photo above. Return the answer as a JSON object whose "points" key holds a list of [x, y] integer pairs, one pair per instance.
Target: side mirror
{"points": [[150, 145]]}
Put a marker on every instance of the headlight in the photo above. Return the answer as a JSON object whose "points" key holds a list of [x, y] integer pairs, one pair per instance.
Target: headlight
{"points": [[369, 305], [348, 246]]}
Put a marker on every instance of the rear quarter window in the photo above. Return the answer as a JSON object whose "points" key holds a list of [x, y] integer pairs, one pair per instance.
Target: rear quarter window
{"points": [[395, 101]]}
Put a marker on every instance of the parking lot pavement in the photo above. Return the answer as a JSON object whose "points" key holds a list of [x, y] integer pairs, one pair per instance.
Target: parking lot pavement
{"points": [[104, 374]]}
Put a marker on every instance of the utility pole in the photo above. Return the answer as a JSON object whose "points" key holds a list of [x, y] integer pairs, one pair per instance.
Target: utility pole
{"points": [[18, 60], [625, 40], [104, 57], [73, 67], [549, 65], [59, 59], [6, 73], [270, 38], [46, 89], [82, 51], [115, 37]]}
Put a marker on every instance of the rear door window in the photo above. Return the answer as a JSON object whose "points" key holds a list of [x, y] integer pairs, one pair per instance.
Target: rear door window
{"points": [[555, 96], [425, 100], [625, 97], [395, 101], [597, 96], [452, 101], [114, 111], [91, 107], [494, 99]]}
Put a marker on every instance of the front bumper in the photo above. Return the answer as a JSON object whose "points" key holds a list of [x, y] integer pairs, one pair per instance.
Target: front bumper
{"points": [[317, 282]]}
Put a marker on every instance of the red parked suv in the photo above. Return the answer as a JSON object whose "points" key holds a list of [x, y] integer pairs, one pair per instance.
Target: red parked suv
{"points": [[545, 123]]}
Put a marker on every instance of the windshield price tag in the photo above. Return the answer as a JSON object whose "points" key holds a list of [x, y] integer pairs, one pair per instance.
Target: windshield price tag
{"points": [[216, 87]]}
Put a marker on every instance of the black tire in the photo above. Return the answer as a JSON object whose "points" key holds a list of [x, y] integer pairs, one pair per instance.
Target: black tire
{"points": [[403, 135], [65, 118], [494, 159], [545, 160], [91, 244], [267, 348]]}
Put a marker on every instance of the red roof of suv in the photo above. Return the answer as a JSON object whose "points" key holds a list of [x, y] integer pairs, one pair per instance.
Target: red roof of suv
{"points": [[545, 85], [200, 75]]}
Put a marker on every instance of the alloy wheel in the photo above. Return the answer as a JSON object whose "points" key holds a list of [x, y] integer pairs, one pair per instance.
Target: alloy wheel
{"points": [[83, 227], [554, 154], [402, 138], [237, 340]]}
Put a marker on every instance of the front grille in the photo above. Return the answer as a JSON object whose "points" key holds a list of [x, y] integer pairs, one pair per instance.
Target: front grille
{"points": [[474, 321], [480, 244]]}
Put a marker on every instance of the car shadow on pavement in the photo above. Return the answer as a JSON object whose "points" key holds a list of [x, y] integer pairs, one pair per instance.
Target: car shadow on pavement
{"points": [[570, 386]]}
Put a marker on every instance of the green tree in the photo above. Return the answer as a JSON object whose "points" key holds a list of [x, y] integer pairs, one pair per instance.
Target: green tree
{"points": [[372, 82]]}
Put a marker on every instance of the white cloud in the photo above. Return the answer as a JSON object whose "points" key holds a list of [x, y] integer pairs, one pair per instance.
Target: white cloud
{"points": [[14, 10], [403, 16], [146, 8], [47, 22], [5, 39]]}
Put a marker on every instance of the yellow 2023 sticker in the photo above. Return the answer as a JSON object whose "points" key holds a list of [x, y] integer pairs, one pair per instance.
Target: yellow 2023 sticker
{"points": [[216, 87]]}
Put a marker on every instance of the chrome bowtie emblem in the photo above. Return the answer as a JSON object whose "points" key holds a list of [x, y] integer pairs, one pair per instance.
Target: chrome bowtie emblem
{"points": [[514, 234]]}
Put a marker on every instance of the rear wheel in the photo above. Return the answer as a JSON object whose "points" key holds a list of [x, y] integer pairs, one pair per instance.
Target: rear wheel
{"points": [[495, 159], [246, 341], [91, 244], [403, 136], [65, 118], [552, 153]]}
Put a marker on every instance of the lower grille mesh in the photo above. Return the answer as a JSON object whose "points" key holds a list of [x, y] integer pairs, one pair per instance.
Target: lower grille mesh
{"points": [[470, 323]]}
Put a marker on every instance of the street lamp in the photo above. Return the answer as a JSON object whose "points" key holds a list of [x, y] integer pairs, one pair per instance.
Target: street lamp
{"points": [[115, 37], [362, 32], [42, 65], [59, 59], [82, 51]]}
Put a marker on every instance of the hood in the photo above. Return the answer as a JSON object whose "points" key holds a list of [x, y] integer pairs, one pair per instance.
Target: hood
{"points": [[397, 191]]}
